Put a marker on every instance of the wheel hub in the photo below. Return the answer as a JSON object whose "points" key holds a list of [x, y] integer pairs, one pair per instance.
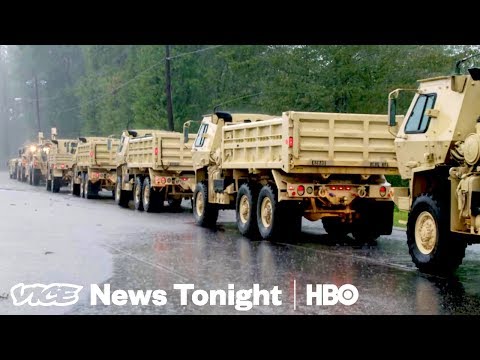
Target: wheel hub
{"points": [[266, 212], [199, 204], [244, 209], [425, 233]]}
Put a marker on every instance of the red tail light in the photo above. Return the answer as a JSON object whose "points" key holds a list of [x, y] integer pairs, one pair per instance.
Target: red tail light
{"points": [[333, 187], [300, 190], [290, 142], [340, 188], [348, 187], [91, 153], [156, 151], [383, 191], [184, 179], [63, 166], [163, 180]]}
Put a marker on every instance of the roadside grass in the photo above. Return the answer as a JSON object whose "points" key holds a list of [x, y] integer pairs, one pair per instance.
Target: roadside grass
{"points": [[400, 218]]}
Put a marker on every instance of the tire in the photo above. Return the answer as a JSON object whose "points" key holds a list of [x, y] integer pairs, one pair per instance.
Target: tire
{"points": [[270, 214], [246, 210], [75, 188], [175, 205], [152, 201], [121, 196], [335, 228], [56, 184], [37, 174], [204, 213], [431, 244], [365, 236], [48, 185], [137, 194], [82, 185], [91, 190]]}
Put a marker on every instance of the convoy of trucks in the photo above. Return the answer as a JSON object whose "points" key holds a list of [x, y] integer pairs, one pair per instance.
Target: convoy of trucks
{"points": [[274, 170]]}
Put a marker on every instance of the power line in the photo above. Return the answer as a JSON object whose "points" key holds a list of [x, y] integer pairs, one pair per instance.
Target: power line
{"points": [[134, 78], [194, 52]]}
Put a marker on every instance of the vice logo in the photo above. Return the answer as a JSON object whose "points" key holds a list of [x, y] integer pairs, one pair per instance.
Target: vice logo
{"points": [[56, 294]]}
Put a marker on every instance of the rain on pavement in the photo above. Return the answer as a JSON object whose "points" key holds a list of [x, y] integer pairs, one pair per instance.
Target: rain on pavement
{"points": [[57, 238]]}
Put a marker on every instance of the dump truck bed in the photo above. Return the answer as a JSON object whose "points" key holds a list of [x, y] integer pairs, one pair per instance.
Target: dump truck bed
{"points": [[306, 142], [161, 150], [95, 153]]}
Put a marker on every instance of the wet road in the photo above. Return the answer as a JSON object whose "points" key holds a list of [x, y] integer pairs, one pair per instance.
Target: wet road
{"points": [[56, 238]]}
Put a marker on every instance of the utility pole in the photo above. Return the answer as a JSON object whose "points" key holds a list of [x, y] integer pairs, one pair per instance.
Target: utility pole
{"points": [[37, 102], [4, 107], [168, 88]]}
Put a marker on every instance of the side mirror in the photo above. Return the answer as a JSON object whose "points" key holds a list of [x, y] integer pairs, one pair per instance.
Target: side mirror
{"points": [[392, 107], [186, 127], [55, 142], [82, 139], [392, 112]]}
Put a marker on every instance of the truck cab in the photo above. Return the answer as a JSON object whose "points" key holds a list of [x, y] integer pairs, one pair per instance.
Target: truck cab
{"points": [[438, 150]]}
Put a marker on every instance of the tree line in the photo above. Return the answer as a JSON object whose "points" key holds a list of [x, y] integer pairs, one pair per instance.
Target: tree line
{"points": [[102, 89]]}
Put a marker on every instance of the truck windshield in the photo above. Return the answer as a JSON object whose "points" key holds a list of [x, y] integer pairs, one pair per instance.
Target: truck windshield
{"points": [[418, 121], [200, 135]]}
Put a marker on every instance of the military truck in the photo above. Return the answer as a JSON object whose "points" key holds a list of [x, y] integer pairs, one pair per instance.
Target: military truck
{"points": [[438, 151], [95, 168], [12, 168], [31, 165], [154, 166], [36, 160], [275, 169], [61, 159]]}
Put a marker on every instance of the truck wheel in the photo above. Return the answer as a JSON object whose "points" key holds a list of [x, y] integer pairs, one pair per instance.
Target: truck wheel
{"points": [[90, 190], [137, 194], [175, 205], [75, 188], [365, 236], [246, 210], [431, 245], [151, 200], [82, 186], [36, 174], [204, 213], [269, 214], [335, 228], [121, 196], [57, 181], [48, 185]]}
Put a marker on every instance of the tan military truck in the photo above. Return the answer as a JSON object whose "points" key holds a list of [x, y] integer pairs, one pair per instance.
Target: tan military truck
{"points": [[95, 167], [31, 165], [12, 168], [275, 169], [438, 151], [154, 166], [37, 155], [61, 159]]}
